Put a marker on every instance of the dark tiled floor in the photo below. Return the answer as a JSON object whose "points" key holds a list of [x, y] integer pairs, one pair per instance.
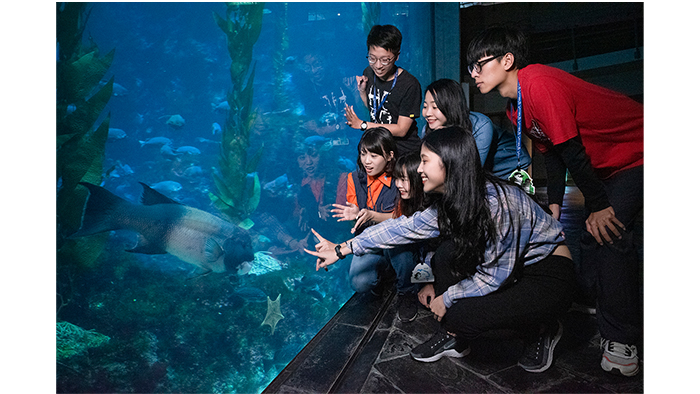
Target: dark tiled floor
{"points": [[365, 348]]}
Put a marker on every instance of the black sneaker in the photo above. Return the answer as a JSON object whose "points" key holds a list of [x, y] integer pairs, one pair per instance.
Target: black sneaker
{"points": [[408, 308], [440, 345], [538, 355]]}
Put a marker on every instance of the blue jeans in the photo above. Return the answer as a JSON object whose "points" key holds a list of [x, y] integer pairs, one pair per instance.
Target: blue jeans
{"points": [[365, 271]]}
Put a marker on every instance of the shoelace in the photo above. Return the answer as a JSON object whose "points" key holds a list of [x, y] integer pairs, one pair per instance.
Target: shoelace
{"points": [[534, 350], [611, 347], [444, 338]]}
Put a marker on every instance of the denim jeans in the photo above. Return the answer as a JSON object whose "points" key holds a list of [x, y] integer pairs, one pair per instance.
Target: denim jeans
{"points": [[366, 270]]}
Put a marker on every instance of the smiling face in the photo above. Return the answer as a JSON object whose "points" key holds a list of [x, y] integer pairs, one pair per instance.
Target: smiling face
{"points": [[403, 183], [432, 114], [308, 162], [374, 163], [379, 54], [432, 171]]}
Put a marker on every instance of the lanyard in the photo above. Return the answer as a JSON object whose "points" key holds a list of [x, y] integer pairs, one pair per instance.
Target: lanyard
{"points": [[518, 135], [376, 92]]}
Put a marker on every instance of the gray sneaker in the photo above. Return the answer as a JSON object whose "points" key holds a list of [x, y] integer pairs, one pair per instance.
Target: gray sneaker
{"points": [[440, 345], [538, 355], [619, 358]]}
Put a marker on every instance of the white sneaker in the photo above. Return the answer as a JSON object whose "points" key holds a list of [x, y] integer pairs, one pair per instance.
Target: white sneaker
{"points": [[619, 356]]}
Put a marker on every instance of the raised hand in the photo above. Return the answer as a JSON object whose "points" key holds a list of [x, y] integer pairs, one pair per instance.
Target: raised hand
{"points": [[346, 212]]}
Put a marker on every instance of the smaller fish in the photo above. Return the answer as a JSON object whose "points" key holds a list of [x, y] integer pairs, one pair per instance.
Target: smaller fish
{"points": [[346, 164], [174, 121], [207, 141], [215, 128], [221, 107], [156, 141], [193, 171], [126, 169], [116, 134], [119, 90], [167, 186], [190, 150], [70, 109], [168, 152], [277, 184]]}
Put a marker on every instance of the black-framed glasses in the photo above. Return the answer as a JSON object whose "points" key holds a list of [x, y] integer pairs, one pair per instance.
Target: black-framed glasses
{"points": [[385, 60], [476, 66]]}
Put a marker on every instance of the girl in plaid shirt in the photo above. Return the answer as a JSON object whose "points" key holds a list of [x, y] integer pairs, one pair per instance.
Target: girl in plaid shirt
{"points": [[501, 263]]}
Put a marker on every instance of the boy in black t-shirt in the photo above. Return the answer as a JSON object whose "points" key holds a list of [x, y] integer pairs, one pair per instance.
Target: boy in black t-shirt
{"points": [[392, 95]]}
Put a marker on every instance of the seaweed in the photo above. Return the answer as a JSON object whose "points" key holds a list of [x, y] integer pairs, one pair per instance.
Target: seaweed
{"points": [[237, 183], [279, 57], [81, 129], [370, 15]]}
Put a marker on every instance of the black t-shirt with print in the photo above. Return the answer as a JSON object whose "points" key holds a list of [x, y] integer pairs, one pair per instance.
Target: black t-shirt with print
{"points": [[405, 99]]}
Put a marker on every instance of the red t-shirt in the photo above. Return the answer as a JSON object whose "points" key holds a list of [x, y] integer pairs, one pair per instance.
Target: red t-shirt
{"points": [[558, 106]]}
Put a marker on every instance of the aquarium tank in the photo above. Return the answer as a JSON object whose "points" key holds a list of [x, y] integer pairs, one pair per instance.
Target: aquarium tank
{"points": [[196, 146]]}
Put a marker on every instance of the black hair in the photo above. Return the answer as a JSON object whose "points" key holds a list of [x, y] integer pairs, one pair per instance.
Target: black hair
{"points": [[376, 140], [449, 98], [416, 201], [463, 210], [385, 36], [497, 41]]}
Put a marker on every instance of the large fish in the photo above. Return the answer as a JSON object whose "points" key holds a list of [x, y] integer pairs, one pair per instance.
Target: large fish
{"points": [[166, 226]]}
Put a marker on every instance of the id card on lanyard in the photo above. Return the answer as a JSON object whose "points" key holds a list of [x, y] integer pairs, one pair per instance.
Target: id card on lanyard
{"points": [[520, 176]]}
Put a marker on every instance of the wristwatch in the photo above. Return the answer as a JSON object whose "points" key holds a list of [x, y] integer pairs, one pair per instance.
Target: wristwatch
{"points": [[337, 249], [363, 126]]}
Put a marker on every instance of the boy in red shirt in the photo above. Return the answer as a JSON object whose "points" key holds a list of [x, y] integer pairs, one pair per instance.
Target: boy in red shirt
{"points": [[598, 135]]}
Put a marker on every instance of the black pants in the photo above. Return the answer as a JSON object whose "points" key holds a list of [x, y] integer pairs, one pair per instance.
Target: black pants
{"points": [[541, 295], [616, 267]]}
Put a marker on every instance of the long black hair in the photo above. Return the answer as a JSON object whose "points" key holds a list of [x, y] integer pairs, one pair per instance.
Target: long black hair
{"points": [[463, 212], [451, 101], [416, 201]]}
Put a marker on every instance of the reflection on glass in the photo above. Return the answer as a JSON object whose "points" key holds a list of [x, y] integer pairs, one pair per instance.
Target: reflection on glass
{"points": [[207, 170]]}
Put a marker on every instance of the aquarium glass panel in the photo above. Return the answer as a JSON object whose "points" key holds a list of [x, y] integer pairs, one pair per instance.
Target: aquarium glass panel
{"points": [[197, 146]]}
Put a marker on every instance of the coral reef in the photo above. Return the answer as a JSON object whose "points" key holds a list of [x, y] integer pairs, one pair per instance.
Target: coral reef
{"points": [[72, 340]]}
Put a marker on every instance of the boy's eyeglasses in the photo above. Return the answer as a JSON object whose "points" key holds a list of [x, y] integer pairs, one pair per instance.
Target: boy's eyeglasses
{"points": [[385, 61], [476, 66]]}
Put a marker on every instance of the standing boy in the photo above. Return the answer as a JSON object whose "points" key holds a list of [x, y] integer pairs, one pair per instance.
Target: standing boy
{"points": [[598, 135], [392, 95]]}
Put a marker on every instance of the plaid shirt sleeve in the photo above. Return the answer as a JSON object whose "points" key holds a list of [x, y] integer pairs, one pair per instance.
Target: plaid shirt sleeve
{"points": [[393, 232], [525, 232]]}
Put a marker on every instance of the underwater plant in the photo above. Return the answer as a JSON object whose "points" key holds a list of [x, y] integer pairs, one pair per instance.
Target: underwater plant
{"points": [[72, 340], [279, 57], [370, 15], [81, 98], [237, 183]]}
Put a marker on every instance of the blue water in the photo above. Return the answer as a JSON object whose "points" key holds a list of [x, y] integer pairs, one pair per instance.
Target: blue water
{"points": [[172, 329]]}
